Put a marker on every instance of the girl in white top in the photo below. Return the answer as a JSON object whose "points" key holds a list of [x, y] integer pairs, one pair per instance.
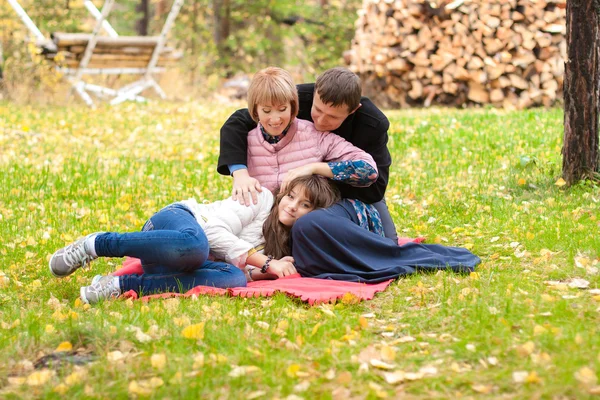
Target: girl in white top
{"points": [[178, 244]]}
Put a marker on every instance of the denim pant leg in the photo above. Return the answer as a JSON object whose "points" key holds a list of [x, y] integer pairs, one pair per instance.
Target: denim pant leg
{"points": [[212, 273], [170, 241]]}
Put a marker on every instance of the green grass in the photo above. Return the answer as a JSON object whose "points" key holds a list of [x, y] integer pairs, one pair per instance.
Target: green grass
{"points": [[483, 179]]}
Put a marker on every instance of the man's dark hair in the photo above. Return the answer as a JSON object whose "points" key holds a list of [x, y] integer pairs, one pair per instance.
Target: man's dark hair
{"points": [[339, 86]]}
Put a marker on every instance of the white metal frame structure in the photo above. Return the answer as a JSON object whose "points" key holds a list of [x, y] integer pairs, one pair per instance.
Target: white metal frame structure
{"points": [[75, 75]]}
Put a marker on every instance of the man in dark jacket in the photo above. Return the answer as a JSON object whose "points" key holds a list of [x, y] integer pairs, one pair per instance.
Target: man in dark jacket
{"points": [[334, 104]]}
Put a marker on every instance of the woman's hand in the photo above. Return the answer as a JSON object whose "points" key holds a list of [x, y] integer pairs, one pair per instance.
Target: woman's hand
{"points": [[305, 170], [282, 267], [245, 187]]}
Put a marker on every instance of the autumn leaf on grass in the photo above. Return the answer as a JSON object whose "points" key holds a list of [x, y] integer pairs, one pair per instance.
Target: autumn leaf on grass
{"points": [[586, 376], [64, 346], [326, 309], [526, 377], [195, 331], [525, 349], [158, 361], [381, 364], [243, 370], [115, 356], [145, 387], [481, 388], [39, 378]]}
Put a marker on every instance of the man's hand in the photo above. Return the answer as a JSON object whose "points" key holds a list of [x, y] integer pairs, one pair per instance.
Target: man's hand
{"points": [[245, 187], [282, 267]]}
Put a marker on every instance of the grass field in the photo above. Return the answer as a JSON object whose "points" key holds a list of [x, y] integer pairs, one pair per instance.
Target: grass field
{"points": [[525, 325]]}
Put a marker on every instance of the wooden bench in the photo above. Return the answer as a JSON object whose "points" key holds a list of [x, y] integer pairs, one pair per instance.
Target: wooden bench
{"points": [[77, 55]]}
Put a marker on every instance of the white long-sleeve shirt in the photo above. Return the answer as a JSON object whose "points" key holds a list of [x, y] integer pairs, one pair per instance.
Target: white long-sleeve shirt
{"points": [[232, 229]]}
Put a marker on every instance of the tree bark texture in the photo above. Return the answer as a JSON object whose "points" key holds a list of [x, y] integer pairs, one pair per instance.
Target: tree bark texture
{"points": [[221, 16], [143, 22], [581, 91]]}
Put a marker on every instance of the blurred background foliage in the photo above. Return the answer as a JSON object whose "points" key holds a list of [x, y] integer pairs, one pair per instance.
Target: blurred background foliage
{"points": [[219, 38]]}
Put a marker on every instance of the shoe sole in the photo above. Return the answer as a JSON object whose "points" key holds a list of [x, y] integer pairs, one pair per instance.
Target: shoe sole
{"points": [[52, 271], [82, 295]]}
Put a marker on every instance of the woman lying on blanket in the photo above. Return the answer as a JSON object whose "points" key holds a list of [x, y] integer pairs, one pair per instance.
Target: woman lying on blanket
{"points": [[178, 244]]}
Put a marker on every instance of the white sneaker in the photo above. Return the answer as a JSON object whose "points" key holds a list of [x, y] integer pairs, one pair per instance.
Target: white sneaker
{"points": [[104, 288], [67, 260]]}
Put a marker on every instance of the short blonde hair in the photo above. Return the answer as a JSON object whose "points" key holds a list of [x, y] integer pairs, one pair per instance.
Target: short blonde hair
{"points": [[272, 86]]}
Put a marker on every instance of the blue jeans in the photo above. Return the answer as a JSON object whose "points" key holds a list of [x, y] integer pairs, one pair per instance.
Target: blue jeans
{"points": [[173, 250]]}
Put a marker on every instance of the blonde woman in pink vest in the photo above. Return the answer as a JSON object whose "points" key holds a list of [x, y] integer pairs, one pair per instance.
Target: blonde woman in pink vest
{"points": [[334, 103], [283, 147]]}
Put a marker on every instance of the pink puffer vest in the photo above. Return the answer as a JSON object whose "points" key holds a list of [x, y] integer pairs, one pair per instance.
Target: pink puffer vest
{"points": [[303, 144]]}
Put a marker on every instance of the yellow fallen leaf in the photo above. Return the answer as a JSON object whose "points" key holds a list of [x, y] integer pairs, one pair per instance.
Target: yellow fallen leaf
{"points": [[525, 349], [263, 325], [195, 331], [586, 376], [344, 378], [315, 328], [394, 377], [243, 370], [74, 378], [181, 321], [283, 325], [17, 380], [533, 377], [255, 395], [530, 236], [378, 389], [388, 353], [539, 330], [560, 182], [594, 390], [481, 388], [39, 378], [64, 346], [137, 389], [547, 298], [363, 322], [50, 329], [326, 310], [381, 365], [115, 356], [520, 376], [292, 370], [350, 298], [158, 361], [198, 361], [61, 389]]}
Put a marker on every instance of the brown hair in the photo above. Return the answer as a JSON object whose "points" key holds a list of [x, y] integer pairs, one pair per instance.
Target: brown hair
{"points": [[273, 86], [339, 86], [319, 191]]}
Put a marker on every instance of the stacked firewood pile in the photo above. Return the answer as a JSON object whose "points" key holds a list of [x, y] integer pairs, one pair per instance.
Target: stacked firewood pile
{"points": [[509, 53], [67, 49]]}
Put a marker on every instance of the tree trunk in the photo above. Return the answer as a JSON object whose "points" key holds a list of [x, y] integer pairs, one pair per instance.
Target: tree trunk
{"points": [[141, 25], [221, 23], [221, 16], [196, 33], [581, 91]]}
